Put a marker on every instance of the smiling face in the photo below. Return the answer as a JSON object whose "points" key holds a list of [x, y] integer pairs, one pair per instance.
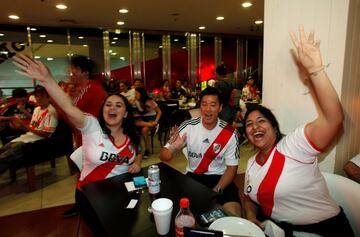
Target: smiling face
{"points": [[210, 108], [260, 131], [114, 111]]}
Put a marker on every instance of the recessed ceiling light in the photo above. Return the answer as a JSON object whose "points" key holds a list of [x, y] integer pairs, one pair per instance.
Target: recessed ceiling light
{"points": [[176, 40], [81, 37], [183, 47], [61, 6], [202, 41], [33, 29], [85, 45], [202, 27], [50, 41], [117, 31], [50, 59], [123, 11], [110, 51], [246, 4], [1, 34], [120, 23], [113, 53], [220, 18], [42, 36], [14, 17], [37, 57], [113, 42], [115, 38], [258, 22], [160, 47], [122, 58]]}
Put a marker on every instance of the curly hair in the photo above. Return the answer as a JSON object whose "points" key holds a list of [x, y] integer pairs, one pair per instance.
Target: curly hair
{"points": [[127, 125]]}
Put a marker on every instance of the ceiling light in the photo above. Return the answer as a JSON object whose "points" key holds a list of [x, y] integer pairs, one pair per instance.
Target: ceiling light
{"points": [[37, 57], [176, 40], [81, 37], [50, 59], [114, 42], [202, 41], [33, 29], [122, 58], [202, 27], [61, 6], [22, 44], [220, 18], [113, 53], [160, 47], [110, 51], [85, 45], [42, 36], [120, 23], [14, 17], [4, 52], [117, 31], [50, 41], [246, 4], [183, 47], [258, 22], [123, 11], [1, 34], [115, 38]]}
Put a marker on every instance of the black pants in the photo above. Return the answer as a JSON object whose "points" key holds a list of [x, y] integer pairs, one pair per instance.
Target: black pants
{"points": [[334, 226]]}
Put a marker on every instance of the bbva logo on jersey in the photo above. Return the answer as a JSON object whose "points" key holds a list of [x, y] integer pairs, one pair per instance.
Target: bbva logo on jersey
{"points": [[216, 148]]}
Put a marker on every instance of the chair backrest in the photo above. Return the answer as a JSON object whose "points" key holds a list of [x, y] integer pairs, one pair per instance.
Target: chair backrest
{"points": [[346, 193], [77, 157]]}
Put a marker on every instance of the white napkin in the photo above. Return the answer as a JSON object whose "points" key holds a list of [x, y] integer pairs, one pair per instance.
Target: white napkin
{"points": [[273, 230]]}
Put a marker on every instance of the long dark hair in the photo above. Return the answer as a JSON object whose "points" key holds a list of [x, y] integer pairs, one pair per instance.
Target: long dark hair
{"points": [[127, 125], [268, 115], [143, 95]]}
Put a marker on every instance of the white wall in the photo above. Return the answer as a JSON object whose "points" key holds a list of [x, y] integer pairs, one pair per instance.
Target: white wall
{"points": [[283, 90]]}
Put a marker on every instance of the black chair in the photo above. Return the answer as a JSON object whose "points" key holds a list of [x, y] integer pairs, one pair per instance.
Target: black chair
{"points": [[59, 144]]}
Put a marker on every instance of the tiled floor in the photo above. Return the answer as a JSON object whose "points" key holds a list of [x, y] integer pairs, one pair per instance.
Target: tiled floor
{"points": [[56, 187]]}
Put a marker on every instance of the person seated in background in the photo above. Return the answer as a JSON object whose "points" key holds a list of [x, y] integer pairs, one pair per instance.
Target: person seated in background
{"points": [[113, 86], [148, 116], [43, 122], [352, 168], [283, 178], [138, 83], [249, 91], [186, 87], [127, 91], [19, 108], [165, 89], [177, 91], [110, 144], [211, 147]]}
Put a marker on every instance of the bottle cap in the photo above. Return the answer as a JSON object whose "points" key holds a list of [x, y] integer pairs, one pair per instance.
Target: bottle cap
{"points": [[184, 203]]}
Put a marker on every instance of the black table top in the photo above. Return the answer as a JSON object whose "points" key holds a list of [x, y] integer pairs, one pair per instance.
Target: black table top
{"points": [[109, 199]]}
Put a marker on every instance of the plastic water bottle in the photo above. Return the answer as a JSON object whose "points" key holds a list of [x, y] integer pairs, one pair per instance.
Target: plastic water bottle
{"points": [[184, 218]]}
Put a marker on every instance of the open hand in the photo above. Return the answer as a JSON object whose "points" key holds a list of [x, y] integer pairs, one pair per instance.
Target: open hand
{"points": [[31, 68], [308, 50], [176, 141]]}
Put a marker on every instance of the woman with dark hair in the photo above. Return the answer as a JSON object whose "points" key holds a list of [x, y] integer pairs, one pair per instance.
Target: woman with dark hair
{"points": [[283, 179], [149, 115], [110, 147]]}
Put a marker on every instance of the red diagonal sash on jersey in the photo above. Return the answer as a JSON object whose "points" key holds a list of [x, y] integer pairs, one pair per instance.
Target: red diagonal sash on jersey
{"points": [[265, 195], [42, 116], [210, 154]]}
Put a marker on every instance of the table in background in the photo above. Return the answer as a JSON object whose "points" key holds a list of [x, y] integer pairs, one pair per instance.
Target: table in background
{"points": [[109, 199]]}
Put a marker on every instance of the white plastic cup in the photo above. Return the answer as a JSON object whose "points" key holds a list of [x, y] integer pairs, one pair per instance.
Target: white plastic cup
{"points": [[162, 209]]}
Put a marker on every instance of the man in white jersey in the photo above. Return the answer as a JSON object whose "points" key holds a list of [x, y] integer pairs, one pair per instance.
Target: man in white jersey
{"points": [[211, 147], [43, 122], [352, 168]]}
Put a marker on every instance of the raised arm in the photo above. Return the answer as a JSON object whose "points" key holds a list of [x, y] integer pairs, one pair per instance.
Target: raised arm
{"points": [[325, 127], [37, 70]]}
